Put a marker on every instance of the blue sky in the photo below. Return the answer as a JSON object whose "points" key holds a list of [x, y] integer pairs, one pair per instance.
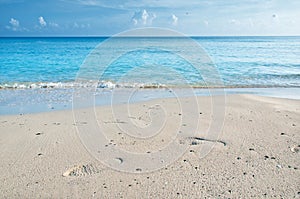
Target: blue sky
{"points": [[109, 17]]}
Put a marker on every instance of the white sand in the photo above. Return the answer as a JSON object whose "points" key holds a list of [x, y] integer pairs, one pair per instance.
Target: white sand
{"points": [[43, 156]]}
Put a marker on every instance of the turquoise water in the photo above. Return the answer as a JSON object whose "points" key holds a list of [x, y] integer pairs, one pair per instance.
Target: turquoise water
{"points": [[241, 61], [39, 74]]}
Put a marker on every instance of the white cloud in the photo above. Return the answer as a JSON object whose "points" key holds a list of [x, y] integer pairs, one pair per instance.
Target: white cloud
{"points": [[42, 21], [14, 25], [14, 22], [175, 20], [143, 18]]}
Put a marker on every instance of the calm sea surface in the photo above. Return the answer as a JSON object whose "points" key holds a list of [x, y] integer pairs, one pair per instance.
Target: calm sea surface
{"points": [[240, 61], [38, 74]]}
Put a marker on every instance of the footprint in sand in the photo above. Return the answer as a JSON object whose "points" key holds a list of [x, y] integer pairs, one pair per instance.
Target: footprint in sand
{"points": [[81, 170]]}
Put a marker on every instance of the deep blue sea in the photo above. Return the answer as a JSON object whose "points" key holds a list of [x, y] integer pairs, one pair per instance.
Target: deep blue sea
{"points": [[38, 74]]}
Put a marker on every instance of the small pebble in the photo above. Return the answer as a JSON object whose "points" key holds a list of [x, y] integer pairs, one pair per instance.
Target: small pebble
{"points": [[279, 166], [295, 149]]}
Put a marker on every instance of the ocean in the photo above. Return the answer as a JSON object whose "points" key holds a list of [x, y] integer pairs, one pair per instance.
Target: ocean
{"points": [[50, 67]]}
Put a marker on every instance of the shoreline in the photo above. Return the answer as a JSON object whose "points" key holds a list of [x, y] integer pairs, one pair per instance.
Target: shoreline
{"points": [[107, 84], [17, 101], [42, 154]]}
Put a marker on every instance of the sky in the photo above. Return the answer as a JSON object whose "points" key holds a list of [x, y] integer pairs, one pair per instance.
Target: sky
{"points": [[110, 17]]}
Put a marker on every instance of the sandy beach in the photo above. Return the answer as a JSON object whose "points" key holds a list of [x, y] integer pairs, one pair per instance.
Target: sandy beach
{"points": [[255, 155], [150, 99]]}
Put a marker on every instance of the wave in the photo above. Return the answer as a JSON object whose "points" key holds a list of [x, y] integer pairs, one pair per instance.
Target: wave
{"points": [[112, 85], [78, 84]]}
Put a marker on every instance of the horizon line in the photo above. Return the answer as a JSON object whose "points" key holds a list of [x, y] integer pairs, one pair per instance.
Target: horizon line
{"points": [[98, 36]]}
